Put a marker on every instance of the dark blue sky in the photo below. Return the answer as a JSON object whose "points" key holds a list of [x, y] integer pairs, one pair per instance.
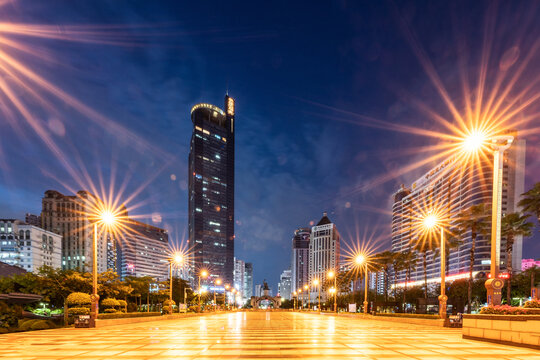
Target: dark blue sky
{"points": [[307, 78]]}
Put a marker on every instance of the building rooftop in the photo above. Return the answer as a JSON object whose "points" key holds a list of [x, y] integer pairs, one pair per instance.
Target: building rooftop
{"points": [[324, 220], [7, 270]]}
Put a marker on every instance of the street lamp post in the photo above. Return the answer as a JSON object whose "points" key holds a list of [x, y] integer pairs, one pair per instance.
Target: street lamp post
{"points": [[294, 300], [301, 299], [366, 289], [318, 284], [204, 274], [307, 295], [494, 285], [430, 222], [177, 260], [332, 274], [225, 301], [217, 282], [95, 297]]}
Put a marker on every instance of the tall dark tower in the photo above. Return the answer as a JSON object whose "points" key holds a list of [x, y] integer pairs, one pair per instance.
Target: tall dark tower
{"points": [[211, 192]]}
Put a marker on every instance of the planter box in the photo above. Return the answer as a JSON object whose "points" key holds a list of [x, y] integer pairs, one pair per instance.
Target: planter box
{"points": [[519, 330]]}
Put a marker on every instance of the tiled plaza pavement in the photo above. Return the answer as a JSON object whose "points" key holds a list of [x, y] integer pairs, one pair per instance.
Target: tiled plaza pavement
{"points": [[257, 335]]}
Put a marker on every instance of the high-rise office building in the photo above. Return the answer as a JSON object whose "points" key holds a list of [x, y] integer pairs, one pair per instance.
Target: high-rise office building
{"points": [[68, 216], [248, 281], [28, 246], [458, 186], [239, 275], [211, 191], [300, 258], [324, 252], [285, 283], [143, 251]]}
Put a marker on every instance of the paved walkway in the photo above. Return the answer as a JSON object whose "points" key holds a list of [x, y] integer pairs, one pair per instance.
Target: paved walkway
{"points": [[256, 335]]}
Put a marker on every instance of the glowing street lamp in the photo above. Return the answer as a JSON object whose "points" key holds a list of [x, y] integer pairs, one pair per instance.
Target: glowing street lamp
{"points": [[225, 301], [494, 285], [360, 260], [430, 222], [318, 284], [176, 259], [217, 282], [202, 274], [306, 292], [474, 142], [107, 218], [332, 274]]}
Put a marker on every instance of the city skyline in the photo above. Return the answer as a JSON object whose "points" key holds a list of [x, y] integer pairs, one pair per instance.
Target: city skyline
{"points": [[300, 150]]}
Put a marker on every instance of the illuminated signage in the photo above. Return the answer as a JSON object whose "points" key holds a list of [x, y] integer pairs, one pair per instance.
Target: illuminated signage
{"points": [[230, 106]]}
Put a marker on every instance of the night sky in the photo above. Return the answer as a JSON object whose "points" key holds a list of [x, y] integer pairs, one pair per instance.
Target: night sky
{"points": [[312, 81]]}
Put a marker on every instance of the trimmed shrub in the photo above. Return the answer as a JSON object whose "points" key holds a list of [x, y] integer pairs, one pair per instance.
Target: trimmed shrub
{"points": [[166, 309], [40, 325], [167, 302], [502, 310], [26, 325], [78, 298], [79, 311], [532, 304], [122, 303], [3, 330], [110, 311], [128, 315], [110, 303]]}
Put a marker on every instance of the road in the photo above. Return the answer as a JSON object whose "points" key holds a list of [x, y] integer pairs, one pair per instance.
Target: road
{"points": [[256, 335]]}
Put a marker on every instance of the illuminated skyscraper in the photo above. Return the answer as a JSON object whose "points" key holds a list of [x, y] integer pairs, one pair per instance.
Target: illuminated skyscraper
{"points": [[300, 258], [211, 191]]}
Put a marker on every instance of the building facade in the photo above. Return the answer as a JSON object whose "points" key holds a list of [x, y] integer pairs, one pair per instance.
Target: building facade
{"points": [[458, 187], [143, 250], [28, 246], [211, 191], [324, 253], [300, 258], [248, 281], [68, 216], [239, 275], [285, 284]]}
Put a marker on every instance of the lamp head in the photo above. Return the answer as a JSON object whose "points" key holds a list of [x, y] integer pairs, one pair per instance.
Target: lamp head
{"points": [[331, 274], [360, 259], [431, 221], [218, 282], [474, 141], [316, 282], [178, 258], [204, 273], [107, 217]]}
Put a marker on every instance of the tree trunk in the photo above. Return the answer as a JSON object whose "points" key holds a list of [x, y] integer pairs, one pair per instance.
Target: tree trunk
{"points": [[471, 268], [509, 248], [386, 286]]}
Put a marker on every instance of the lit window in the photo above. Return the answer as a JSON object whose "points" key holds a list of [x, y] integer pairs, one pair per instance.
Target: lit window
{"points": [[206, 132], [218, 157], [198, 128], [224, 140], [198, 210], [217, 136]]}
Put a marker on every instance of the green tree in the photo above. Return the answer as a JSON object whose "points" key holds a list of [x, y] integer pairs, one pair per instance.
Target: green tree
{"points": [[405, 261], [476, 220], [530, 201], [512, 225]]}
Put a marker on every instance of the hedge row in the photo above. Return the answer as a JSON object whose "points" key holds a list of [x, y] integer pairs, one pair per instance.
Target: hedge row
{"points": [[410, 316], [128, 315]]}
